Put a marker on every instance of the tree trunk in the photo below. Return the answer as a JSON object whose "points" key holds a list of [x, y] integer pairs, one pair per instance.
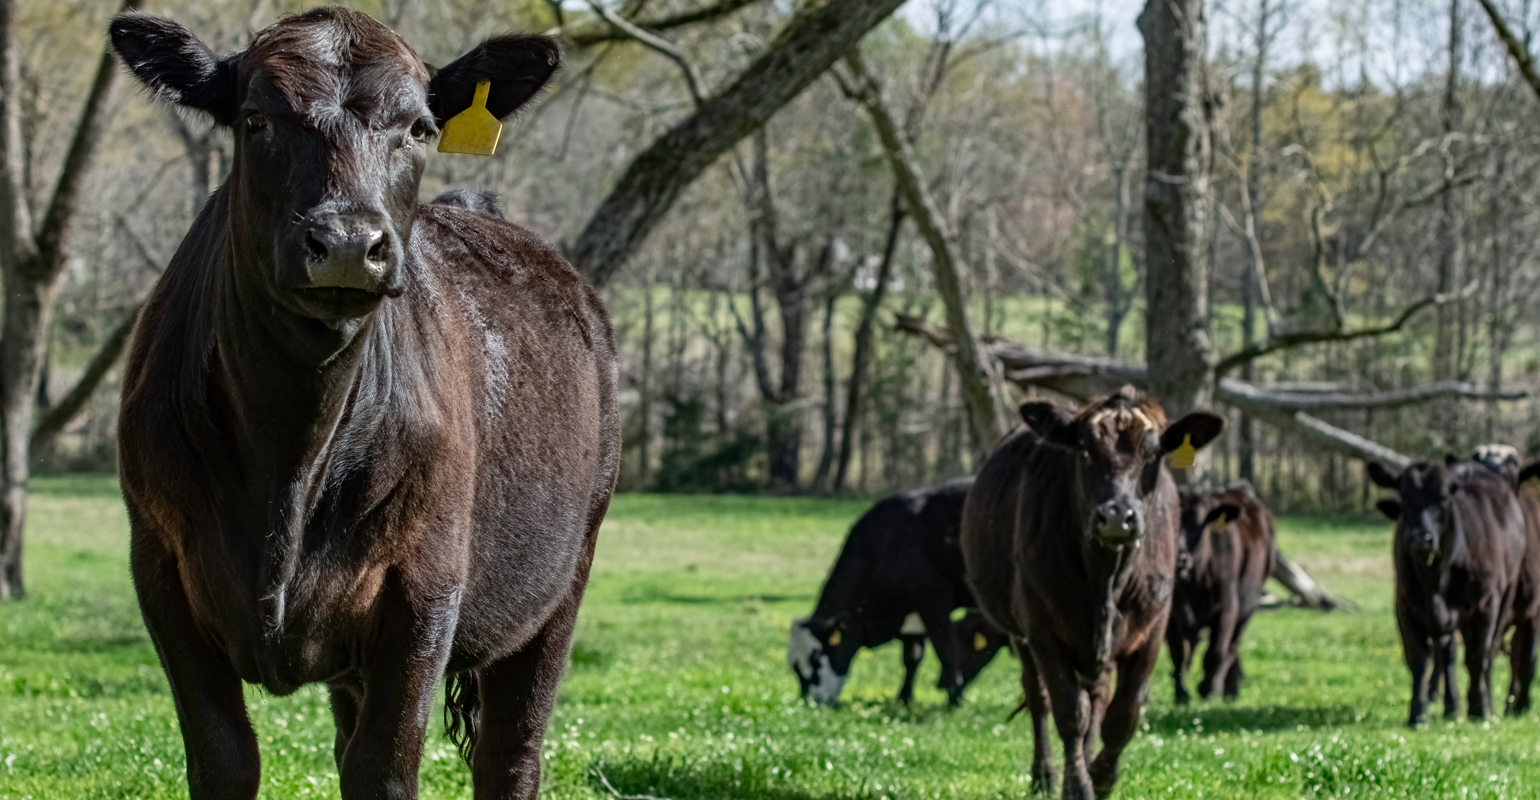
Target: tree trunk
{"points": [[1445, 350], [1176, 205], [644, 400], [830, 421], [1246, 438], [863, 344], [973, 372], [803, 50], [32, 265], [1116, 308]]}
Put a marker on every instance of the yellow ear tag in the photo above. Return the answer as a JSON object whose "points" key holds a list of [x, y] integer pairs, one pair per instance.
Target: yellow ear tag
{"points": [[834, 639], [473, 131], [1185, 456], [979, 642]]}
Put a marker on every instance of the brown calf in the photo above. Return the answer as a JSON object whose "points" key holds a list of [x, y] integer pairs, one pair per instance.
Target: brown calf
{"points": [[1224, 556], [364, 441], [1460, 552], [1069, 539]]}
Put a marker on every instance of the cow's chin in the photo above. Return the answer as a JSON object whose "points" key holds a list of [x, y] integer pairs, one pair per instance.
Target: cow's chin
{"points": [[825, 690], [336, 305]]}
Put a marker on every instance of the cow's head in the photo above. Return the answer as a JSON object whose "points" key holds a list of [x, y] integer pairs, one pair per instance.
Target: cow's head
{"points": [[977, 643], [1118, 444], [332, 115], [820, 653], [1424, 513], [1203, 515]]}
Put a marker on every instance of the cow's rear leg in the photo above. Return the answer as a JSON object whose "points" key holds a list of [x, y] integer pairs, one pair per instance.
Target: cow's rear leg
{"points": [[409, 655], [1481, 639], [914, 652], [1234, 675], [1524, 649], [516, 695], [1122, 717], [346, 697], [1181, 648], [1035, 698], [1072, 711], [1445, 678], [222, 758], [1221, 647]]}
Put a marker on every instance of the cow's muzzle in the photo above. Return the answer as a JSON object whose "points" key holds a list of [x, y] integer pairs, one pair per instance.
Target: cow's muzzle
{"points": [[1115, 522], [352, 252]]}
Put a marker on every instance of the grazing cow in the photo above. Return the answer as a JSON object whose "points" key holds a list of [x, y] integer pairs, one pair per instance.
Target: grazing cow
{"points": [[364, 441], [1500, 458], [1224, 556], [1461, 557], [1069, 537], [899, 576]]}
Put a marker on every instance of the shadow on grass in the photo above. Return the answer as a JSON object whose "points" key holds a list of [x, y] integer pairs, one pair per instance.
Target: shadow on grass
{"points": [[655, 594], [667, 777], [1214, 717]]}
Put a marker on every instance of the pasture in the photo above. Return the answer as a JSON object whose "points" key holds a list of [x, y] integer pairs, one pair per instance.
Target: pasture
{"points": [[678, 686]]}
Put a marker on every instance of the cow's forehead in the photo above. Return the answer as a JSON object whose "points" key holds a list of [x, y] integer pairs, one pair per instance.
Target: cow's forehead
{"points": [[325, 61]]}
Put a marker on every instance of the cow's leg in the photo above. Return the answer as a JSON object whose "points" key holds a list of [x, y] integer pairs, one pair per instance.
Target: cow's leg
{"points": [[1234, 675], [1181, 645], [222, 758], [1523, 651], [1220, 653], [516, 697], [1122, 718], [411, 650], [345, 697], [914, 652], [938, 625], [1445, 677], [1416, 652], [1071, 707], [1481, 639], [1036, 699]]}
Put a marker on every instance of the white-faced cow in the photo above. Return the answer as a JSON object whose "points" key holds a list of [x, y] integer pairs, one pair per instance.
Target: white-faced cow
{"points": [[364, 441], [899, 576]]}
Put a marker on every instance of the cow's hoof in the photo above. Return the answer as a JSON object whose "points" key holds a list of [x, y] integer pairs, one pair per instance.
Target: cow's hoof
{"points": [[1104, 775]]}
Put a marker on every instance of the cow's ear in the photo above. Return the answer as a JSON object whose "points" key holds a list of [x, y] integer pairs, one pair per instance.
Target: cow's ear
{"points": [[1390, 508], [1382, 477], [175, 66], [1222, 516], [1529, 473], [516, 67], [1044, 419], [1200, 427], [1450, 459]]}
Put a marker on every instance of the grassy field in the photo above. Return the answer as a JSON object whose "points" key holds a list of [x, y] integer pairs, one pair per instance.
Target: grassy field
{"points": [[678, 686]]}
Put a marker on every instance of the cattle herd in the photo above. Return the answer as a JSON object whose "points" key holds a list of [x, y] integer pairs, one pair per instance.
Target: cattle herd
{"points": [[1074, 548], [368, 442]]}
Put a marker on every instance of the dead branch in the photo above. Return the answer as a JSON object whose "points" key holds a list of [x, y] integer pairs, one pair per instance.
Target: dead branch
{"points": [[65, 411], [589, 35], [1516, 48], [1285, 341], [803, 50], [659, 44]]}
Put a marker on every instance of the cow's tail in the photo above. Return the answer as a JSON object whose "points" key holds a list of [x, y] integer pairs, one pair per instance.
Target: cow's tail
{"points": [[461, 697], [1019, 708]]}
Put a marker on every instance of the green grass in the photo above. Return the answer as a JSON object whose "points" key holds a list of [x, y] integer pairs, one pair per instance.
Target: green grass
{"points": [[678, 686]]}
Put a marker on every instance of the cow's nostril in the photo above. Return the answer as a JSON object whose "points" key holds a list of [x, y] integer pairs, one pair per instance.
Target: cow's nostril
{"points": [[317, 249], [377, 250]]}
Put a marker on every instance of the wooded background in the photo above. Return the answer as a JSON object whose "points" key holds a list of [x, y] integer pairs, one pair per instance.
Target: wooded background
{"points": [[1349, 191]]}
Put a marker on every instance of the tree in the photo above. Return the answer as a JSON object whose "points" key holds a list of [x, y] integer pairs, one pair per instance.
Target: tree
{"points": [[32, 259], [1178, 119]]}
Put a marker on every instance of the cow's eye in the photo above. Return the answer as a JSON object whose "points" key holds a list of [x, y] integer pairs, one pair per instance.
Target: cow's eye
{"points": [[422, 130], [257, 123]]}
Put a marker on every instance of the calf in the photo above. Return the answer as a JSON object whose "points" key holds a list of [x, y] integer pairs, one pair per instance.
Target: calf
{"points": [[898, 576], [1460, 552], [1224, 556], [1070, 538], [364, 441]]}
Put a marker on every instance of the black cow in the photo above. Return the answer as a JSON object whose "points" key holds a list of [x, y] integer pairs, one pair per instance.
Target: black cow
{"points": [[364, 441], [899, 576], [1225, 555], [1460, 552], [1069, 535]]}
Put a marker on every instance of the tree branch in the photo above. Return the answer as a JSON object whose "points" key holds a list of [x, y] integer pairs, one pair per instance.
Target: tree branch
{"points": [[654, 42], [62, 413], [1285, 341], [805, 48], [1258, 398], [588, 36], [1516, 48]]}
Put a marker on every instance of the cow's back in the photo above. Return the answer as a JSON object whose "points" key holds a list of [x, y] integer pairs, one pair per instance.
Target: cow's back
{"points": [[990, 517]]}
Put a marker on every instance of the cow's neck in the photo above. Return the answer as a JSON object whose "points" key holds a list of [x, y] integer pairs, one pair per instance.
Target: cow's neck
{"points": [[289, 382]]}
